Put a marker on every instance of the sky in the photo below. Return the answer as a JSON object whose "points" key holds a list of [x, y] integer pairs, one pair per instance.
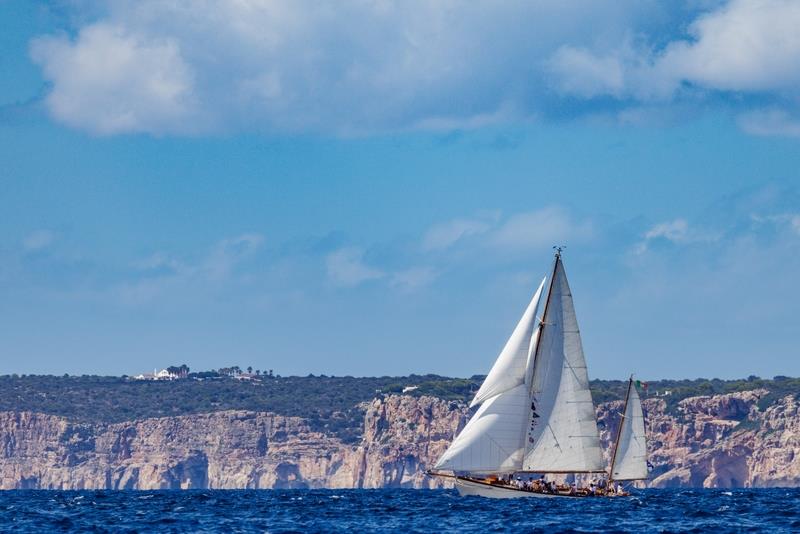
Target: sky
{"points": [[374, 187]]}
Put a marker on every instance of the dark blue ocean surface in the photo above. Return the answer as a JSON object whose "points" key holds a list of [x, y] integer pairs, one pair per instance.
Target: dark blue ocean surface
{"points": [[776, 510]]}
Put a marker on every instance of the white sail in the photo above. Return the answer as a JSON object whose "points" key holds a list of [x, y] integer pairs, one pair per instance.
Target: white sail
{"points": [[630, 458], [562, 434], [493, 440], [510, 368]]}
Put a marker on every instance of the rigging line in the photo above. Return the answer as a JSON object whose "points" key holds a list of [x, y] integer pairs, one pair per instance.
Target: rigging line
{"points": [[558, 444]]}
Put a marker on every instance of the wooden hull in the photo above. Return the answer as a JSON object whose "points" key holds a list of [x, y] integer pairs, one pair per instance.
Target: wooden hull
{"points": [[468, 487], [477, 488]]}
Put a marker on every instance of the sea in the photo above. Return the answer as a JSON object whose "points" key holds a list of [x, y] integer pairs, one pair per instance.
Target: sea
{"points": [[355, 511]]}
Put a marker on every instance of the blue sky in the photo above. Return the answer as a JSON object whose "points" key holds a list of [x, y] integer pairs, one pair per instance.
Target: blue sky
{"points": [[374, 187]]}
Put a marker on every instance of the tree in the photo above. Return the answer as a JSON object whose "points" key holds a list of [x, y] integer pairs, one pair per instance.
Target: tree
{"points": [[250, 369]]}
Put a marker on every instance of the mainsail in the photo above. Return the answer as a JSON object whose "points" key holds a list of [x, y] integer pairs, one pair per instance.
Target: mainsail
{"points": [[510, 368], [630, 455], [562, 434]]}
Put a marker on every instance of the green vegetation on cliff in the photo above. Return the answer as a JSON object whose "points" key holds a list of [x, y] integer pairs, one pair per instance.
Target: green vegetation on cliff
{"points": [[329, 403]]}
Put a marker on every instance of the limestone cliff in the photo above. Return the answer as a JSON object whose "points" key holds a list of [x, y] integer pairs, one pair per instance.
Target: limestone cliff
{"points": [[720, 441]]}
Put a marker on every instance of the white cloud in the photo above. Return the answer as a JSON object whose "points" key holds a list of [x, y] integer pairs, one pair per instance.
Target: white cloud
{"points": [[445, 235], [38, 240], [542, 228], [373, 66], [791, 221], [770, 122], [677, 231], [111, 80], [578, 72], [346, 267], [745, 45], [748, 47], [413, 278], [228, 252], [298, 65]]}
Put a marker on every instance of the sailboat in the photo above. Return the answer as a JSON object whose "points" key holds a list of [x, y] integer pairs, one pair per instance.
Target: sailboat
{"points": [[535, 414]]}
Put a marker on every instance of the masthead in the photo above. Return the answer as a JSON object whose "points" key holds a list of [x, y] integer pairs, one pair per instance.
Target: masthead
{"points": [[558, 249]]}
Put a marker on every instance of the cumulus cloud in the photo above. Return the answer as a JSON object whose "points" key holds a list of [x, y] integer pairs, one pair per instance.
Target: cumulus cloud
{"points": [[518, 232], [744, 47], [366, 66], [297, 65], [541, 228], [346, 267], [579, 72], [110, 80], [677, 231]]}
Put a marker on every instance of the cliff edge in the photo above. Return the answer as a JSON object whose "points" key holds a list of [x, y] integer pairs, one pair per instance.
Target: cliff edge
{"points": [[718, 441]]}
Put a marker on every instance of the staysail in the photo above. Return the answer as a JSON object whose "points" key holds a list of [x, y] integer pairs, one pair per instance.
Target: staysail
{"points": [[562, 432], [510, 368], [630, 455], [493, 440]]}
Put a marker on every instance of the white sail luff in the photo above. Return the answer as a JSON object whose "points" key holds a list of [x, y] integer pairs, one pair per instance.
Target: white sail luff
{"points": [[510, 368], [531, 355], [493, 439], [562, 434], [630, 457]]}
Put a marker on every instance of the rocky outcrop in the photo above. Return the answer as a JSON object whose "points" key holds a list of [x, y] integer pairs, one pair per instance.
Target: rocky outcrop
{"points": [[718, 441]]}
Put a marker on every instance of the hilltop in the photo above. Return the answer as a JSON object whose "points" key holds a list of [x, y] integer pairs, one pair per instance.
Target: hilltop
{"points": [[330, 404]]}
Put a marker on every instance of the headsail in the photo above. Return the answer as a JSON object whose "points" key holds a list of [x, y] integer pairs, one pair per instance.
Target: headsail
{"points": [[562, 434], [630, 455], [493, 440], [510, 368]]}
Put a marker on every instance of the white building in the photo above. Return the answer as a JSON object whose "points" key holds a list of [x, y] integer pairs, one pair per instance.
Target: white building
{"points": [[156, 375]]}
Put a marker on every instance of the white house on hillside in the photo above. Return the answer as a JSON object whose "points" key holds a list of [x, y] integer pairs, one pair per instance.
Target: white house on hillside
{"points": [[156, 375]]}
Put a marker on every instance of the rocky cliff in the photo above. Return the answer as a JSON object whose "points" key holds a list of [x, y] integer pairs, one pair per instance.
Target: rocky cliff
{"points": [[719, 441]]}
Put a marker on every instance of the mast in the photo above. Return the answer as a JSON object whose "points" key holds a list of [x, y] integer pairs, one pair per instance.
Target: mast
{"points": [[562, 435], [544, 311], [619, 431]]}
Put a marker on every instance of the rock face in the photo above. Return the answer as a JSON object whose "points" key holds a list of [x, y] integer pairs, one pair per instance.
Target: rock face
{"points": [[233, 449], [720, 441]]}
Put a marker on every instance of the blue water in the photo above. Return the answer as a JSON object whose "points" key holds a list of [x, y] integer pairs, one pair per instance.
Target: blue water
{"points": [[354, 511]]}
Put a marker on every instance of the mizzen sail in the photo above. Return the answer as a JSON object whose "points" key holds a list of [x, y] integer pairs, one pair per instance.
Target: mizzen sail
{"points": [[509, 370], [562, 432], [630, 455]]}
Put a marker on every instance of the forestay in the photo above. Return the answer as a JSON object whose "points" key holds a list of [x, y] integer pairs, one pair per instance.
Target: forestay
{"points": [[493, 440], [562, 433], [510, 368], [630, 458]]}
